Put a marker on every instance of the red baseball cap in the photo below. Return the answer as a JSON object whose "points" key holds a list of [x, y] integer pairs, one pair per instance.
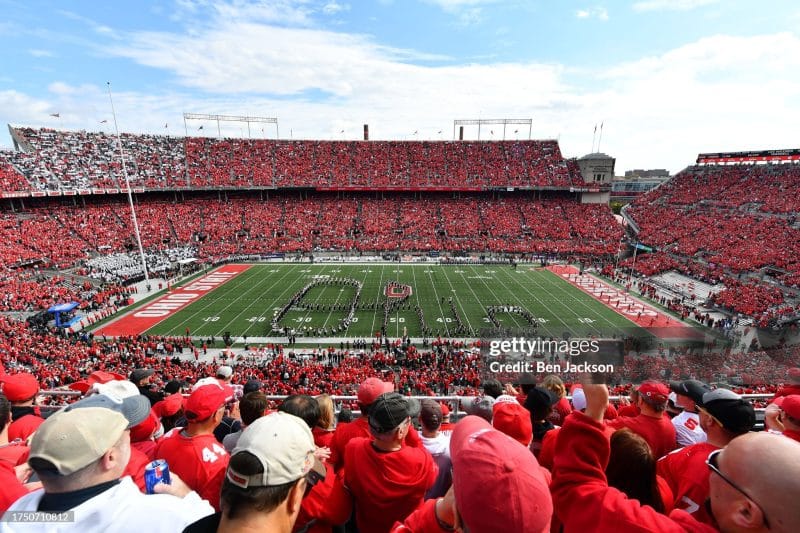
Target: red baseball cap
{"points": [[519, 498], [369, 391], [445, 409], [145, 429], [791, 406], [513, 420], [655, 391], [206, 398], [20, 387], [169, 405]]}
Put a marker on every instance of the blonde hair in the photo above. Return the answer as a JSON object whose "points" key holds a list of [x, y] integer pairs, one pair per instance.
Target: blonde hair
{"points": [[326, 413], [554, 384]]}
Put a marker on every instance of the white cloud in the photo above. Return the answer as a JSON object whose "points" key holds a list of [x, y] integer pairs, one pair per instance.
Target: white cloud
{"points": [[671, 5], [35, 52], [718, 93], [599, 13], [332, 8]]}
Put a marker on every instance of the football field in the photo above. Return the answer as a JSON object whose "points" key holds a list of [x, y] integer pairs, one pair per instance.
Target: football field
{"points": [[351, 300]]}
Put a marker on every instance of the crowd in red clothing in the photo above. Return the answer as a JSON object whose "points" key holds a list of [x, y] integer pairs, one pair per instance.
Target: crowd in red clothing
{"points": [[67, 160], [60, 235]]}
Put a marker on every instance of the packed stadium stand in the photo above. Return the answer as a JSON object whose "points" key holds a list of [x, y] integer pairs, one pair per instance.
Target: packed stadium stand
{"points": [[729, 224], [64, 161]]}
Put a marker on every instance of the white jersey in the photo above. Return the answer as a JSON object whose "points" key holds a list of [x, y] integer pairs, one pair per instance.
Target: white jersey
{"points": [[687, 429]]}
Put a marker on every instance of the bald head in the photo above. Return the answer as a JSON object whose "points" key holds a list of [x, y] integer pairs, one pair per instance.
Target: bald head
{"points": [[767, 468]]}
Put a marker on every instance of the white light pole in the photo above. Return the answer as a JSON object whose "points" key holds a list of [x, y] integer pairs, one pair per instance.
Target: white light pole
{"points": [[128, 185]]}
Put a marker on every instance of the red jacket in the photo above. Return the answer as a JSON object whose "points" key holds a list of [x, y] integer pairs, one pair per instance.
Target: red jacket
{"points": [[386, 486], [582, 499], [12, 488]]}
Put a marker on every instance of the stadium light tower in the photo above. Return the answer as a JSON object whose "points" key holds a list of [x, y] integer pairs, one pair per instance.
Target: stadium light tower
{"points": [[128, 186]]}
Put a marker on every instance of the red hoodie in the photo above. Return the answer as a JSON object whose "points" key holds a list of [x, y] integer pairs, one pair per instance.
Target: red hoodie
{"points": [[326, 504], [582, 498], [386, 486], [658, 432]]}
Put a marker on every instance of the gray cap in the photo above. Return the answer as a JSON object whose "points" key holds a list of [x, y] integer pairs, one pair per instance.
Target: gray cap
{"points": [[482, 406], [134, 408]]}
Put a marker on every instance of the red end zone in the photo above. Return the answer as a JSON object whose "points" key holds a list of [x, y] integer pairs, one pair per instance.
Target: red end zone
{"points": [[146, 317], [638, 312]]}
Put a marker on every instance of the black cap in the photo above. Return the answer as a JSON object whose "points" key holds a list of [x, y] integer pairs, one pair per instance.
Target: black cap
{"points": [[431, 414], [388, 411], [139, 374], [252, 385], [733, 412], [691, 388], [174, 386], [539, 400]]}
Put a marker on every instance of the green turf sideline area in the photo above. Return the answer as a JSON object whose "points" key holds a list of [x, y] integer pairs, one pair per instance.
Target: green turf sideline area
{"points": [[246, 304]]}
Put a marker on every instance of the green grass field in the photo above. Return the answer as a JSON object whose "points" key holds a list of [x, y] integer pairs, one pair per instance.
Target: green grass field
{"points": [[245, 305]]}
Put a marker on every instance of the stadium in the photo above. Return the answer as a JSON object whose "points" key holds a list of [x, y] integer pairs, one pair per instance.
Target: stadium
{"points": [[304, 259], [364, 320]]}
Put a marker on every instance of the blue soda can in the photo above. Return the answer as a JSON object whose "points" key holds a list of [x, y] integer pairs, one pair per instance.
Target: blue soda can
{"points": [[155, 473]]}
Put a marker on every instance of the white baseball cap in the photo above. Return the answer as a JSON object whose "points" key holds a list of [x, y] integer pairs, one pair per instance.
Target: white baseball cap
{"points": [[284, 446]]}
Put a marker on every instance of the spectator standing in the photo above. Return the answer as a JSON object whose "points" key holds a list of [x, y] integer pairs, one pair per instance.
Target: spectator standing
{"points": [[270, 471], [387, 479], [652, 423], [497, 486], [252, 406], [21, 390], [438, 445], [724, 415], [193, 452], [142, 377], [79, 453], [687, 423]]}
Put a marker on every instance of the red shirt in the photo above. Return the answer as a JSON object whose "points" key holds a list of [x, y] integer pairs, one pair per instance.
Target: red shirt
{"points": [[200, 461], [581, 495], [686, 473], [322, 437], [135, 467], [658, 432], [386, 486], [13, 490], [14, 453], [24, 427], [628, 410], [792, 434]]}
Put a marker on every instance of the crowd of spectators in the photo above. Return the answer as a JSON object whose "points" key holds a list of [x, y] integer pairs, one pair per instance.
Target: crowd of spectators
{"points": [[79, 160], [403, 465], [58, 236], [721, 223]]}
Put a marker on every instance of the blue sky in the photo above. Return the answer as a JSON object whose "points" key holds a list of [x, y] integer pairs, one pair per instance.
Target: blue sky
{"points": [[666, 78]]}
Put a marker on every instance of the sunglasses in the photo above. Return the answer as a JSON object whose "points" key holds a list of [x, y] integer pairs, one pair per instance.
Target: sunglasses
{"points": [[713, 464]]}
